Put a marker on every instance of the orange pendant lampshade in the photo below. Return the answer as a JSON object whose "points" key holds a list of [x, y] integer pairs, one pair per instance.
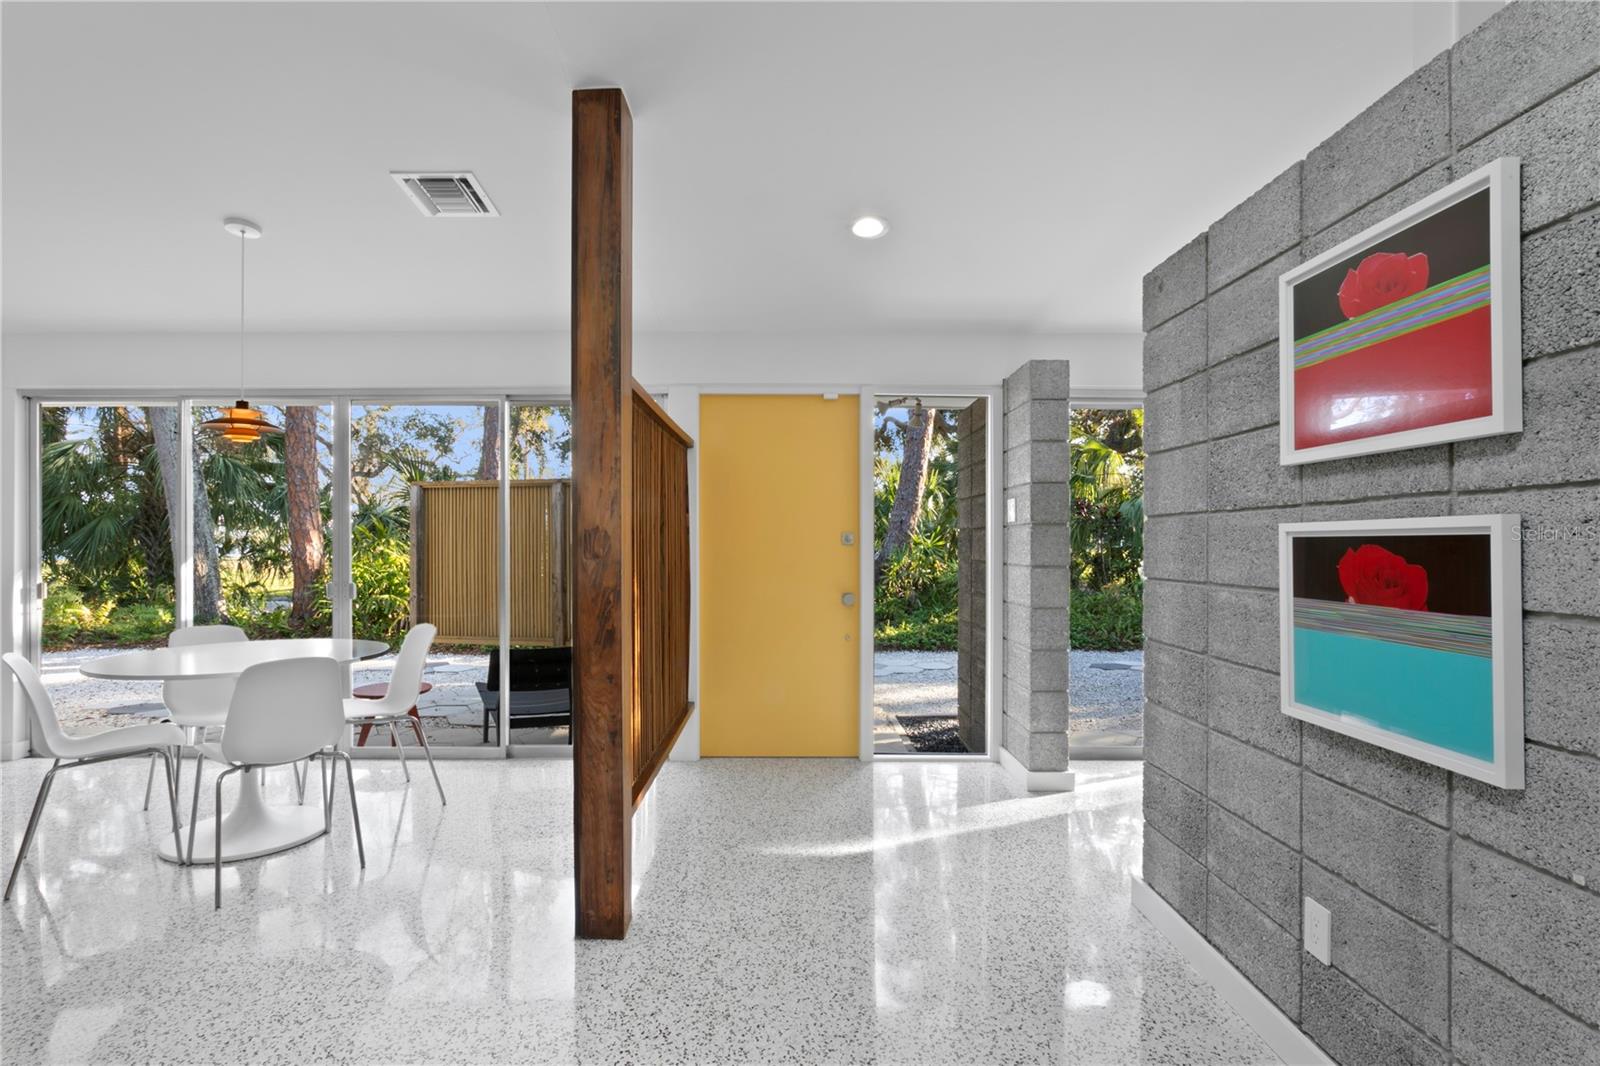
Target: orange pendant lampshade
{"points": [[241, 423]]}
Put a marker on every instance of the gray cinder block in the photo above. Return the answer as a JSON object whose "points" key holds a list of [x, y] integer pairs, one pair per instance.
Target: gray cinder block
{"points": [[1261, 949], [1175, 613], [1176, 877], [1176, 415], [1561, 287], [1176, 810], [1244, 472], [1393, 957], [1560, 537], [1542, 932], [1403, 473], [1244, 627], [1242, 546], [1561, 444], [1175, 349], [1175, 481], [1261, 869], [1406, 131], [1175, 547], [1517, 58], [1175, 744], [1561, 674], [1175, 679], [1431, 180], [1396, 857], [1260, 788], [1395, 779], [1243, 392], [1352, 1026], [1559, 145], [1261, 227], [1179, 282], [1246, 704], [1244, 314], [1553, 822], [1496, 1022]]}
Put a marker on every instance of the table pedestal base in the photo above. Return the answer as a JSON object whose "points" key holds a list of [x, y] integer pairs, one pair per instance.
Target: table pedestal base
{"points": [[252, 828]]}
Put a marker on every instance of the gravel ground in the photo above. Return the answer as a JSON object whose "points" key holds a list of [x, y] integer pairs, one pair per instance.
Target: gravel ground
{"points": [[1107, 693]]}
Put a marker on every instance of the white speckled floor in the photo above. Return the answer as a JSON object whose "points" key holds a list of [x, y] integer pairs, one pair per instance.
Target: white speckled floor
{"points": [[800, 910]]}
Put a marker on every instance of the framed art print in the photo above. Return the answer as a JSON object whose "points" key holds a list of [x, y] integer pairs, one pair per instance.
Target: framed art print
{"points": [[1408, 333], [1407, 633]]}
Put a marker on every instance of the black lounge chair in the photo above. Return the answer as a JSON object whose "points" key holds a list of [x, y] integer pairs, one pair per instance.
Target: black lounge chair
{"points": [[540, 691]]}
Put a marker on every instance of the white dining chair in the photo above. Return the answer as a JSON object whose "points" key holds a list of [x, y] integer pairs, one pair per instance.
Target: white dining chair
{"points": [[281, 712], [394, 709], [156, 739], [201, 704]]}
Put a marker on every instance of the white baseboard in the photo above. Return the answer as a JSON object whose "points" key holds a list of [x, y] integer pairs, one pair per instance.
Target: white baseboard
{"points": [[1285, 1038], [15, 749], [1036, 780]]}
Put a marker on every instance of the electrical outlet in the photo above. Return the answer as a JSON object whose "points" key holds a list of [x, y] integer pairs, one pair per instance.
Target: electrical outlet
{"points": [[1318, 926]]}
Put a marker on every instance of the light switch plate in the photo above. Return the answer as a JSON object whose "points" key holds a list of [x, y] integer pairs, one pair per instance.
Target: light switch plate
{"points": [[1318, 926], [1011, 509]]}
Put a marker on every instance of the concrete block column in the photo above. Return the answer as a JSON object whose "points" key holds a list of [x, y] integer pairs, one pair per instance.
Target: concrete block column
{"points": [[1038, 576], [972, 512]]}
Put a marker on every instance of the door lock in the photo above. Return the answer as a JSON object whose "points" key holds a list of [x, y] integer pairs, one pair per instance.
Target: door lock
{"points": [[848, 599]]}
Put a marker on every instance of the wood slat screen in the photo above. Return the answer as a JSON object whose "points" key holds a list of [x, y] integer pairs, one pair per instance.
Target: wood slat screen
{"points": [[455, 561], [660, 587]]}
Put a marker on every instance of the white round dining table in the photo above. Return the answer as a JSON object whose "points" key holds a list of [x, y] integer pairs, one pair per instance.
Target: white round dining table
{"points": [[251, 827]]}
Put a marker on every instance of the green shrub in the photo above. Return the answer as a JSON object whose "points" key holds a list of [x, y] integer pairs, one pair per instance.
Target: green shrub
{"points": [[70, 621], [1108, 619], [380, 562]]}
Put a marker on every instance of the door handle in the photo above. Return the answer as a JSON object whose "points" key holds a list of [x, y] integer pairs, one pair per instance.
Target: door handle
{"points": [[848, 599]]}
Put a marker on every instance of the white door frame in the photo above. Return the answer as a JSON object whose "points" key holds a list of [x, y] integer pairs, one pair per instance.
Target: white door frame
{"points": [[994, 551]]}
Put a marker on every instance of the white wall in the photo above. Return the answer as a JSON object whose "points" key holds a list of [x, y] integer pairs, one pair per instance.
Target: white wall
{"points": [[518, 362]]}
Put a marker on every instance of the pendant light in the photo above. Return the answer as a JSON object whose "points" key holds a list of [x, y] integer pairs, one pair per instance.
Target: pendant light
{"points": [[241, 423]]}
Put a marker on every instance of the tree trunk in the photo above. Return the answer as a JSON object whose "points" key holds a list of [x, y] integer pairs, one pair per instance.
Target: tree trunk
{"points": [[208, 605], [489, 451], [908, 494], [305, 511]]}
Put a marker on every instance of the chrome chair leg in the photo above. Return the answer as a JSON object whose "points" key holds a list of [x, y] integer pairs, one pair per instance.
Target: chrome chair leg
{"points": [[216, 836], [194, 811], [33, 826], [422, 741], [172, 799], [300, 782], [149, 779], [394, 738], [355, 813]]}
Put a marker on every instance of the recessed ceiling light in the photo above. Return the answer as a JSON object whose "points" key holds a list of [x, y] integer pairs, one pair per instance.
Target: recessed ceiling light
{"points": [[869, 227]]}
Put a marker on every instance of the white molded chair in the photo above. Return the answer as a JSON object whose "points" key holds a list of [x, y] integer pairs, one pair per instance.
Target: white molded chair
{"points": [[395, 708], [198, 705], [281, 712], [140, 740]]}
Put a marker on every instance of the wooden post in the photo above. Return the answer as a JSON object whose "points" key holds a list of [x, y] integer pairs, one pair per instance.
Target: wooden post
{"points": [[602, 480]]}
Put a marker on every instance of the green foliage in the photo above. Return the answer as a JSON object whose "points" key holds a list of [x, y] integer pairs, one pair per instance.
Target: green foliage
{"points": [[1108, 619], [380, 562], [915, 601], [69, 621], [1107, 498]]}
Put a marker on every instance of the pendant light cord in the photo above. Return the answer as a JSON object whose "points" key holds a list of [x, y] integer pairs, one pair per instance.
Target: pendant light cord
{"points": [[242, 242]]}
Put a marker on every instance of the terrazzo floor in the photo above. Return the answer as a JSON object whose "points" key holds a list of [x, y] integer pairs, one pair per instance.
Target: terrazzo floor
{"points": [[785, 911]]}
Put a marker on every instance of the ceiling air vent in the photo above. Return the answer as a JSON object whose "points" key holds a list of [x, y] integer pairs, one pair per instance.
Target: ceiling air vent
{"points": [[443, 195]]}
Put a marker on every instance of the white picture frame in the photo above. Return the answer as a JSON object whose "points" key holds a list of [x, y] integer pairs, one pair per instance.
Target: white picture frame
{"points": [[1502, 178], [1505, 768]]}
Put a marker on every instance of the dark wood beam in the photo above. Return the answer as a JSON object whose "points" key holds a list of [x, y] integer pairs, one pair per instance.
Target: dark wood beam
{"points": [[602, 451]]}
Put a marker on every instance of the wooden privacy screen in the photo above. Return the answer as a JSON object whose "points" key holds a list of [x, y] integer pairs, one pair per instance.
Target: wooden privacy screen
{"points": [[660, 587], [455, 561]]}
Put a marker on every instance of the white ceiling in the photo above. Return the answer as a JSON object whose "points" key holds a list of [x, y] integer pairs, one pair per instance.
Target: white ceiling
{"points": [[1034, 160]]}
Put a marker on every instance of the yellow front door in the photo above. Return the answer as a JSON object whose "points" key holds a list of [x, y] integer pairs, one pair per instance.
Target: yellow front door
{"points": [[779, 666]]}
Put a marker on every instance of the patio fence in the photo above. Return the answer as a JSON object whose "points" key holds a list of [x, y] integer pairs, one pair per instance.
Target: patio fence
{"points": [[455, 560]]}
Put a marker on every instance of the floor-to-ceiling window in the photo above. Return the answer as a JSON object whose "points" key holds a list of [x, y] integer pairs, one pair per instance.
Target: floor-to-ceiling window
{"points": [[537, 684], [1107, 667], [930, 575], [109, 512], [425, 485]]}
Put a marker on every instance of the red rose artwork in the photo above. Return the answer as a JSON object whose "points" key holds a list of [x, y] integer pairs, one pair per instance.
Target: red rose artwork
{"points": [[1380, 280], [1378, 577]]}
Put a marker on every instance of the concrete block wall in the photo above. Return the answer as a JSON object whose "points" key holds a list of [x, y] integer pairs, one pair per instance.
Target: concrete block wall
{"points": [[1038, 548], [972, 573], [1466, 919]]}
